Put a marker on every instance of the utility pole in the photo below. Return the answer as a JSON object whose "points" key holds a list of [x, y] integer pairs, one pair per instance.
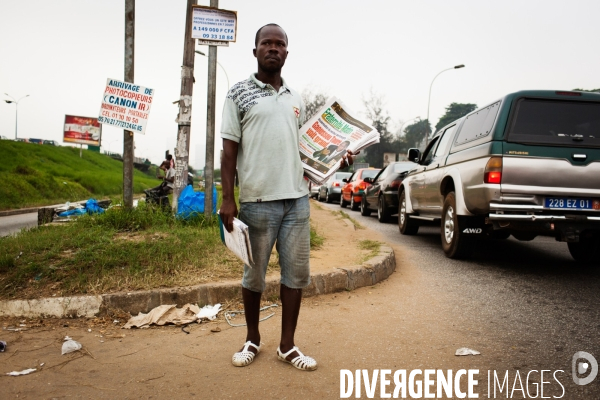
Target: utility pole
{"points": [[128, 135], [184, 118], [209, 166]]}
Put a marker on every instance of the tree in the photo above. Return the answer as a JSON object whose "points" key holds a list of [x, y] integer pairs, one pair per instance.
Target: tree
{"points": [[416, 133], [313, 101], [380, 120], [453, 112]]}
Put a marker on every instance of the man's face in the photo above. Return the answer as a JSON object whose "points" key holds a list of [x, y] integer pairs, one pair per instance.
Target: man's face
{"points": [[271, 50]]}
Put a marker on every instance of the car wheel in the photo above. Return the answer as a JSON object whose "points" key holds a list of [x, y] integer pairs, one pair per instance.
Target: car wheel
{"points": [[383, 214], [364, 210], [319, 198], [455, 244], [407, 225], [587, 250], [327, 197], [343, 204], [353, 205]]}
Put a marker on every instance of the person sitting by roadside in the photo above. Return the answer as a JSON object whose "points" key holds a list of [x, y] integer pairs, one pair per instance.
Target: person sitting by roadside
{"points": [[166, 186]]}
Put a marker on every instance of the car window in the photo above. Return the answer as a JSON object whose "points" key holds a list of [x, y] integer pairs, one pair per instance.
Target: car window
{"points": [[428, 155], [443, 146], [369, 173], [382, 174], [341, 175], [478, 124], [403, 167]]}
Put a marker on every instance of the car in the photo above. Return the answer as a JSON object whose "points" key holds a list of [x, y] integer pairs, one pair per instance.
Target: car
{"points": [[314, 190], [50, 142], [332, 189], [355, 186], [382, 195], [36, 141], [22, 140], [2, 137], [525, 165]]}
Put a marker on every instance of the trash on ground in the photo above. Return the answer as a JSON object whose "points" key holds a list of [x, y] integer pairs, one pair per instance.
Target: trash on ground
{"points": [[209, 312], [24, 372], [216, 329], [191, 203], [2, 346], [165, 314], [463, 351], [231, 314], [70, 346]]}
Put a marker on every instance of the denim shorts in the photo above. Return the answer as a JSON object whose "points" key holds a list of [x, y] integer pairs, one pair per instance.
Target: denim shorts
{"points": [[287, 223]]}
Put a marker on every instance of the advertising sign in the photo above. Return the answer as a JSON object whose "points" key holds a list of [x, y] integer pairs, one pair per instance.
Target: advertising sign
{"points": [[82, 130], [126, 105], [213, 24], [388, 158]]}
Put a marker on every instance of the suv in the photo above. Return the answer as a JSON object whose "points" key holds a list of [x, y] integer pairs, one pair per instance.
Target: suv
{"points": [[527, 165]]}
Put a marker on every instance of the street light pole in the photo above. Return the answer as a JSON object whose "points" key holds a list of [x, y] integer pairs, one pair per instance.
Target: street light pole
{"points": [[16, 103], [429, 100], [226, 76]]}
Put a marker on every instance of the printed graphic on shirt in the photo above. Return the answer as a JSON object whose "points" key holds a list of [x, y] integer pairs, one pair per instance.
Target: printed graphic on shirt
{"points": [[245, 94], [297, 112]]}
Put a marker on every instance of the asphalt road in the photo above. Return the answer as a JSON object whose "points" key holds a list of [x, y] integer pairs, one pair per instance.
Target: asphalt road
{"points": [[530, 298], [14, 223]]}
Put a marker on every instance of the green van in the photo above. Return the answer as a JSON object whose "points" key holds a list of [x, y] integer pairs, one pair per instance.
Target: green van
{"points": [[525, 165]]}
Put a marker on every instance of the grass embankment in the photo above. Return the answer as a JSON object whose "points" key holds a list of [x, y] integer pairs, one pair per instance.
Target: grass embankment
{"points": [[120, 250], [36, 175]]}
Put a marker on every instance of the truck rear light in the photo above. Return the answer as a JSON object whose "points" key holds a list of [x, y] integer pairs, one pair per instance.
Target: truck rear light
{"points": [[493, 171], [564, 93], [395, 184]]}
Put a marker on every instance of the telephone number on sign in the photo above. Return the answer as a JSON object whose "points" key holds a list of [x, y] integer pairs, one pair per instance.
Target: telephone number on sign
{"points": [[217, 37]]}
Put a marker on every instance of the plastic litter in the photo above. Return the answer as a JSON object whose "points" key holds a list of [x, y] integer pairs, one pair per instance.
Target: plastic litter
{"points": [[70, 346], [165, 314], [209, 312], [2, 346], [463, 351], [191, 203], [24, 372]]}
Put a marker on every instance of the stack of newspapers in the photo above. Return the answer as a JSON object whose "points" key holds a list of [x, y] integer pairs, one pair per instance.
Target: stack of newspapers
{"points": [[328, 135], [238, 240]]}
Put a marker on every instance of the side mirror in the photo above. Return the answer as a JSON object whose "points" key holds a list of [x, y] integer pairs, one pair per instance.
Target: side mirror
{"points": [[368, 180], [414, 155], [345, 180]]}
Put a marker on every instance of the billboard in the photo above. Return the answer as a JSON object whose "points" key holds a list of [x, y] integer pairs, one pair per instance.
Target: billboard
{"points": [[82, 130], [388, 158]]}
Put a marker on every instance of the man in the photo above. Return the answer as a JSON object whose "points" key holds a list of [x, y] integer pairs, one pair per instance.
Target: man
{"points": [[260, 135], [166, 186], [332, 152]]}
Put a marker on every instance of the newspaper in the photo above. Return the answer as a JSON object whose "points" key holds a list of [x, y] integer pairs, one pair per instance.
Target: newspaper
{"points": [[238, 240], [328, 135]]}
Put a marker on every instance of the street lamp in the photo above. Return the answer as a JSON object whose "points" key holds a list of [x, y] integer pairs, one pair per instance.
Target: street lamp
{"points": [[406, 122], [429, 101], [16, 103], [202, 54]]}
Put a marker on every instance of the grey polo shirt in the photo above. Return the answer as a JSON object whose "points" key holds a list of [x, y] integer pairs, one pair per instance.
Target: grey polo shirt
{"points": [[265, 124]]}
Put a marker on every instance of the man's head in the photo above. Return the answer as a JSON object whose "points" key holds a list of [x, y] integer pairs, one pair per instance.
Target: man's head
{"points": [[271, 48], [343, 146]]}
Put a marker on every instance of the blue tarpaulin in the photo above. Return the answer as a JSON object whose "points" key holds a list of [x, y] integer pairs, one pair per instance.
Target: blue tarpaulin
{"points": [[191, 203], [91, 207]]}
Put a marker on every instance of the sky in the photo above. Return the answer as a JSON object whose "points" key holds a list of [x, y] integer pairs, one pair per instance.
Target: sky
{"points": [[61, 53]]}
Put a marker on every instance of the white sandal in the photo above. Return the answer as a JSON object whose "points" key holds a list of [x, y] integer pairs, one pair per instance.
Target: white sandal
{"points": [[305, 363], [245, 357]]}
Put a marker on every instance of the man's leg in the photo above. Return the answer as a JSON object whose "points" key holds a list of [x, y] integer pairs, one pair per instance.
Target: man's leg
{"points": [[252, 314], [290, 301], [293, 245]]}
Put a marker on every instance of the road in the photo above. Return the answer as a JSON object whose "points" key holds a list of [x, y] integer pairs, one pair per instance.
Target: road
{"points": [[536, 302], [14, 223]]}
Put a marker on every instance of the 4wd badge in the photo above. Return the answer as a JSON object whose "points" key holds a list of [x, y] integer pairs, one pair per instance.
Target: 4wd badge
{"points": [[473, 230]]}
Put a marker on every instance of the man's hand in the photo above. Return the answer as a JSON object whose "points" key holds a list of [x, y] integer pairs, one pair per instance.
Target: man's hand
{"points": [[348, 159], [227, 212]]}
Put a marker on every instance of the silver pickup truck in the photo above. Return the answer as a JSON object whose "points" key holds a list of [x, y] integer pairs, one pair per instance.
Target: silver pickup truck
{"points": [[527, 165]]}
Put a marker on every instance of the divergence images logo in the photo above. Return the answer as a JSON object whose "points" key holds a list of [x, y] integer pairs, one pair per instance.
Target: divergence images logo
{"points": [[584, 363]]}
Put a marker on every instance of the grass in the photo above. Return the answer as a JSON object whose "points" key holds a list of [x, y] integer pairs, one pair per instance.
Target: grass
{"points": [[120, 250], [342, 214], [372, 246], [35, 175]]}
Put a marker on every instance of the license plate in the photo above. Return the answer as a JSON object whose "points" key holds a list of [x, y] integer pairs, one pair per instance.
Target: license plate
{"points": [[571, 204]]}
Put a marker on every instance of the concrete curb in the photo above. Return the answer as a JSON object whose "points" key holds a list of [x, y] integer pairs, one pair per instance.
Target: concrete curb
{"points": [[369, 273], [18, 211]]}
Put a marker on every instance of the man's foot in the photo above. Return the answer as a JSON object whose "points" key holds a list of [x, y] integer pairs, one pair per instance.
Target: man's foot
{"points": [[246, 355], [297, 359]]}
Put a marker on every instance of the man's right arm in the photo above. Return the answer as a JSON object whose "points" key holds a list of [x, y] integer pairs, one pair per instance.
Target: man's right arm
{"points": [[228, 166]]}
